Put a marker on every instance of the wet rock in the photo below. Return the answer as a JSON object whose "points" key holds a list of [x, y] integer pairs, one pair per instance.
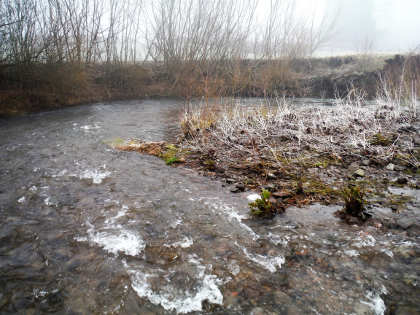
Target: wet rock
{"points": [[161, 255], [270, 187], [359, 173], [354, 166], [405, 251], [53, 302], [238, 188], [403, 310], [363, 309], [366, 162], [406, 222], [400, 168], [271, 176], [390, 167], [282, 194], [411, 279], [229, 180], [282, 298]]}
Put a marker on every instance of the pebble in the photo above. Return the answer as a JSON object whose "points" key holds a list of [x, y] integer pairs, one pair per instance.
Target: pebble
{"points": [[359, 173], [238, 188], [366, 162], [390, 167]]}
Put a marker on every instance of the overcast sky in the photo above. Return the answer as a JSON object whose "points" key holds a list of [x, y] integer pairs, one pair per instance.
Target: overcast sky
{"points": [[378, 25]]}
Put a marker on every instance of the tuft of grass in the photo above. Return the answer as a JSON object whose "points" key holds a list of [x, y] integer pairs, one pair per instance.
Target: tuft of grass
{"points": [[380, 139], [354, 200], [262, 207], [170, 154], [171, 160]]}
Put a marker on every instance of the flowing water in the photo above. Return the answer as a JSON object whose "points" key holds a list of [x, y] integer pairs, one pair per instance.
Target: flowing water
{"points": [[86, 229]]}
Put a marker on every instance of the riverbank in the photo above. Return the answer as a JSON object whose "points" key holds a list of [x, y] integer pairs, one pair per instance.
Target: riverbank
{"points": [[38, 87], [302, 154]]}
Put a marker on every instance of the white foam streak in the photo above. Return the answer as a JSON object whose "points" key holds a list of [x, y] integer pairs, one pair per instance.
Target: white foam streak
{"points": [[126, 242], [185, 243], [269, 263], [365, 241], [114, 238], [375, 303], [97, 176], [170, 298]]}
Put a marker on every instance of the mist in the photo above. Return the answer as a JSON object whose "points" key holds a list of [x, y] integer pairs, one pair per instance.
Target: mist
{"points": [[366, 26]]}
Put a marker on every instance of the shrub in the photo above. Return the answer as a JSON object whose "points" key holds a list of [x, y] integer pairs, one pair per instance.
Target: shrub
{"points": [[354, 200]]}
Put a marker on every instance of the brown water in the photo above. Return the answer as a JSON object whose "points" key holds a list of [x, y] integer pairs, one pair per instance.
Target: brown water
{"points": [[86, 229]]}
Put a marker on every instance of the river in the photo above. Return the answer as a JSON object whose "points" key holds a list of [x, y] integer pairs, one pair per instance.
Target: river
{"points": [[86, 229]]}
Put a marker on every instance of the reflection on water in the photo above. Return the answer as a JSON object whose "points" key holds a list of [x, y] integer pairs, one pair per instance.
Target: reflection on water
{"points": [[86, 229]]}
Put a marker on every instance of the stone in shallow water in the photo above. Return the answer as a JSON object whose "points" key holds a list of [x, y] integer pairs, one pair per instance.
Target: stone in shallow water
{"points": [[359, 173], [406, 222]]}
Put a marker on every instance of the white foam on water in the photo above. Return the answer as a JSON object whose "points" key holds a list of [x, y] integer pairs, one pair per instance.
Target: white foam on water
{"points": [[170, 298], [114, 238], [278, 240], [271, 263], [351, 253], [234, 268], [235, 216], [365, 240], [185, 243], [120, 214], [21, 199], [175, 223], [97, 176], [253, 197], [90, 127], [48, 202], [187, 303], [81, 238], [60, 174], [406, 244], [115, 242], [33, 189], [375, 303], [387, 252]]}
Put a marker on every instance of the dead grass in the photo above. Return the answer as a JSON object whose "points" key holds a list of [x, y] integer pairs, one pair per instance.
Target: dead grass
{"points": [[281, 130]]}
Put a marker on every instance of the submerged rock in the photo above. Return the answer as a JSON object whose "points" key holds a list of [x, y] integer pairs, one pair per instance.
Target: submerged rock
{"points": [[406, 222], [359, 173], [402, 180]]}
